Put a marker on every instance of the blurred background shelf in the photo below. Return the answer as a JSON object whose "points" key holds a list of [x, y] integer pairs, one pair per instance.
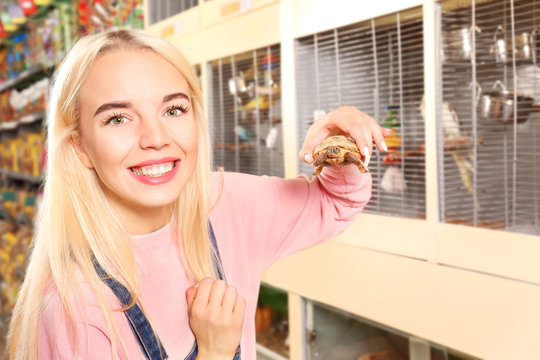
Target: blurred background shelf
{"points": [[14, 175]]}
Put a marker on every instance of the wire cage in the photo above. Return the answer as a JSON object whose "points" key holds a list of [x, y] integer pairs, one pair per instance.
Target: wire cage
{"points": [[245, 112], [489, 95], [377, 66], [162, 9]]}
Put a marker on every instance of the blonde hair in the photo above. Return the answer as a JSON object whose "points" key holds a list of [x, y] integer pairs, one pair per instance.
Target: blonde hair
{"points": [[76, 219]]}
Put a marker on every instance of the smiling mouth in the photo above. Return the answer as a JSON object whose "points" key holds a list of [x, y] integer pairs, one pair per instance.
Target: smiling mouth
{"points": [[156, 170]]}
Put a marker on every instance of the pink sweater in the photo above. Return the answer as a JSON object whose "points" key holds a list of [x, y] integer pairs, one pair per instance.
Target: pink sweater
{"points": [[257, 221]]}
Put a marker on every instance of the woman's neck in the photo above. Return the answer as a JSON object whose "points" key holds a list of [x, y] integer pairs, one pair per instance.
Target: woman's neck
{"points": [[140, 222]]}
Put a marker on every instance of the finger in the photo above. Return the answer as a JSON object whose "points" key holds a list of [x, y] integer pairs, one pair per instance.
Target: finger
{"points": [[203, 292], [387, 131], [378, 137], [229, 299], [239, 307], [216, 293], [363, 142], [191, 292], [316, 134]]}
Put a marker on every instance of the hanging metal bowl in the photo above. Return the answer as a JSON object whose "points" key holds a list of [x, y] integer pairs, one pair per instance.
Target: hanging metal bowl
{"points": [[498, 105]]}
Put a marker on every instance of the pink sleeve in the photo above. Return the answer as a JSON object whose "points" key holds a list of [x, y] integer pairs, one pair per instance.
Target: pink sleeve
{"points": [[54, 338], [314, 209], [262, 219]]}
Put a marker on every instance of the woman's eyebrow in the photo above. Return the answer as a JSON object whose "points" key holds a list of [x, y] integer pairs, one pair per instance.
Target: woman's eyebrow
{"points": [[113, 105], [127, 105], [178, 95]]}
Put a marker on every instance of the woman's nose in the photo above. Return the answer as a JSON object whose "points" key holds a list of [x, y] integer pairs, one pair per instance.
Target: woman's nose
{"points": [[153, 134]]}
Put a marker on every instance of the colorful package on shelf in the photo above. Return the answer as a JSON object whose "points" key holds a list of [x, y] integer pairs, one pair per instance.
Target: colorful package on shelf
{"points": [[3, 155], [16, 14], [99, 15], [6, 111], [31, 148], [30, 100], [51, 38], [17, 55], [12, 154], [40, 94], [7, 21], [17, 210], [19, 102], [68, 19], [3, 32], [28, 7], [35, 55]]}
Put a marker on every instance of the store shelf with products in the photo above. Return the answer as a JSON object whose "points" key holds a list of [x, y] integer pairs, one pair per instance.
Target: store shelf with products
{"points": [[17, 210], [29, 53]]}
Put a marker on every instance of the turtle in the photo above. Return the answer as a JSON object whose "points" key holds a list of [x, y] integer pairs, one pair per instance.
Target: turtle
{"points": [[337, 150]]}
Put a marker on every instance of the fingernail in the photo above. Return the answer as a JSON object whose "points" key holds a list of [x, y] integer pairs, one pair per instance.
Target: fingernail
{"points": [[383, 144], [308, 158], [367, 157]]}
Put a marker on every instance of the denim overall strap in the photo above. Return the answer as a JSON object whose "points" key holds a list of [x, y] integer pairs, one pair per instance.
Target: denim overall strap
{"points": [[147, 338], [218, 272]]}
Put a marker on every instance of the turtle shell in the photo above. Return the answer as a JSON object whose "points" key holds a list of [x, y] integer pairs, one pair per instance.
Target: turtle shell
{"points": [[341, 141]]}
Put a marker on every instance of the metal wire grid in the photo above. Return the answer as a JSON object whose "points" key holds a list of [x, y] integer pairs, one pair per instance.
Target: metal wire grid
{"points": [[162, 9], [371, 65], [500, 188], [246, 127]]}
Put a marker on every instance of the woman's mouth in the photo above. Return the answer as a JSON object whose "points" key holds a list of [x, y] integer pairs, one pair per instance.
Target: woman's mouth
{"points": [[155, 170]]}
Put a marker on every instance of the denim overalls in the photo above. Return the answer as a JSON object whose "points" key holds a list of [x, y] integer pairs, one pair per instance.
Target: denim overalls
{"points": [[148, 340]]}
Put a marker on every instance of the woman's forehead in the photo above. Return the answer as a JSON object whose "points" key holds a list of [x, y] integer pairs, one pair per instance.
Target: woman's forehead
{"points": [[133, 73]]}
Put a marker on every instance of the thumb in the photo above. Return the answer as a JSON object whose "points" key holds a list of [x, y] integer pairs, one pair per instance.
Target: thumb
{"points": [[191, 292], [311, 142], [305, 155], [315, 135]]}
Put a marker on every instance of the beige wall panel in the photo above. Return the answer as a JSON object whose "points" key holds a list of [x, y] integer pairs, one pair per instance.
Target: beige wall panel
{"points": [[254, 29], [311, 16], [407, 237], [498, 252], [216, 11], [485, 316], [178, 25]]}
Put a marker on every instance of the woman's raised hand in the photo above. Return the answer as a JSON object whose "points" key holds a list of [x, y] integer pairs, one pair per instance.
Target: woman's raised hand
{"points": [[216, 317], [345, 120]]}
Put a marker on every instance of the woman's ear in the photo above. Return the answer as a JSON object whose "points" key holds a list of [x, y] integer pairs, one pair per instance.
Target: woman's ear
{"points": [[81, 151]]}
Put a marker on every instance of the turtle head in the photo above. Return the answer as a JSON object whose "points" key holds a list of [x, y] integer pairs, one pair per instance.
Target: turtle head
{"points": [[333, 151]]}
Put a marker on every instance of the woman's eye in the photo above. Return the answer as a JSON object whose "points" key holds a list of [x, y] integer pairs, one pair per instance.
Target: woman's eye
{"points": [[175, 111], [116, 120]]}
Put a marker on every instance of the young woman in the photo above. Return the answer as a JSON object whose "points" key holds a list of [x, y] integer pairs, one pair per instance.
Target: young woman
{"points": [[140, 252]]}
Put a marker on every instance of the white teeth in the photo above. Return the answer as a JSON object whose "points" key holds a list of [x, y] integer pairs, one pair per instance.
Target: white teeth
{"points": [[153, 170]]}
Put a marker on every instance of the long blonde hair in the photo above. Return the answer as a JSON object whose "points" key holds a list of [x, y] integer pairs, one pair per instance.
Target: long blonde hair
{"points": [[76, 219]]}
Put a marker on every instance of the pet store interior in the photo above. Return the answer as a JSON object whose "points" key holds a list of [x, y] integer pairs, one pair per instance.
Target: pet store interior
{"points": [[442, 263]]}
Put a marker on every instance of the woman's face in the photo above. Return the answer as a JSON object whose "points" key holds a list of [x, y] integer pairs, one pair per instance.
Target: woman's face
{"points": [[138, 131]]}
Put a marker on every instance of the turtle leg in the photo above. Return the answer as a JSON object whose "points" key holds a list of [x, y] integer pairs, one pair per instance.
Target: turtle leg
{"points": [[319, 159], [318, 163], [351, 158]]}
